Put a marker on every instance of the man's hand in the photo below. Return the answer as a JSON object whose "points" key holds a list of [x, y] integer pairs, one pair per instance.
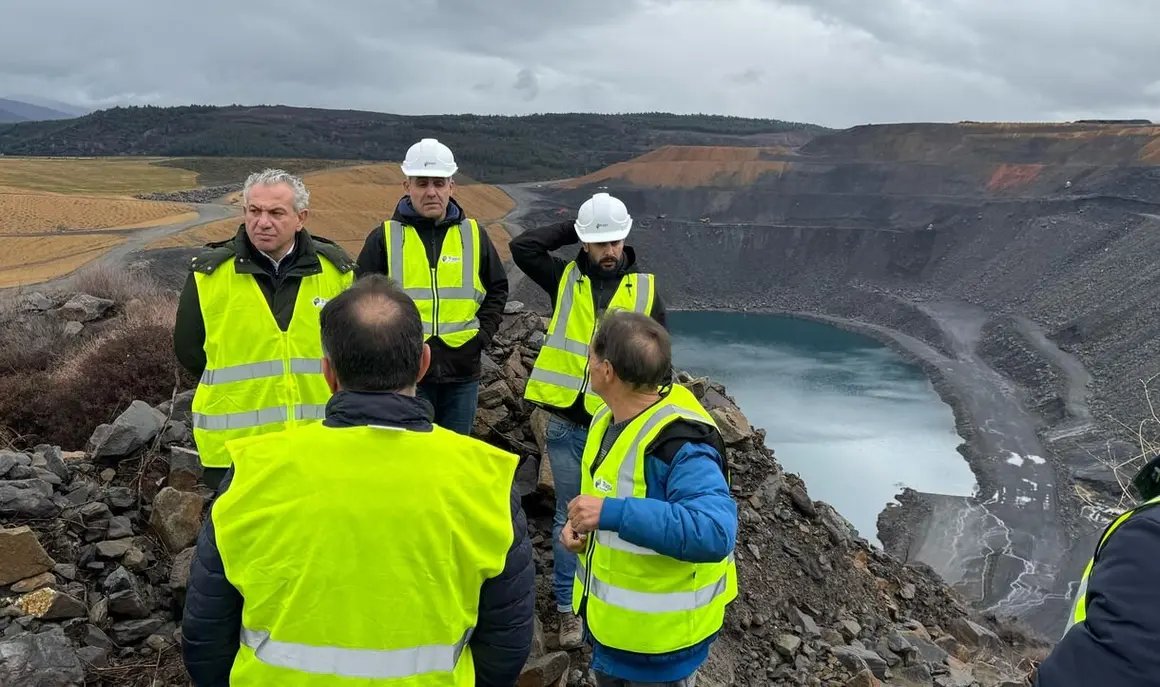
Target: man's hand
{"points": [[584, 513], [572, 541]]}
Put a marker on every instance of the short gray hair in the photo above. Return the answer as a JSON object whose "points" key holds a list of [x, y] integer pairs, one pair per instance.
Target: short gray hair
{"points": [[273, 177]]}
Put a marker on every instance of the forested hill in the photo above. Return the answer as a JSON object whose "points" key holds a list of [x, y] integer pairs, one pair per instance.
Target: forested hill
{"points": [[489, 148]]}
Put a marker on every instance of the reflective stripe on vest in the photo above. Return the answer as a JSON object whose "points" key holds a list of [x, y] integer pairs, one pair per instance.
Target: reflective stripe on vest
{"points": [[338, 584], [257, 378], [1079, 605], [448, 296], [375, 664], [635, 598], [560, 372]]}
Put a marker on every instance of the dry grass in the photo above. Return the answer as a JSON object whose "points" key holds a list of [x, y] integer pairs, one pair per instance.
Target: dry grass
{"points": [[25, 212], [501, 238], [346, 204], [94, 175], [28, 260], [57, 389], [690, 167]]}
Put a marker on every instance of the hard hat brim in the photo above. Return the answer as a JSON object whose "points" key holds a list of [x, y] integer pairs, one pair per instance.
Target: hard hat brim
{"points": [[412, 172], [603, 236]]}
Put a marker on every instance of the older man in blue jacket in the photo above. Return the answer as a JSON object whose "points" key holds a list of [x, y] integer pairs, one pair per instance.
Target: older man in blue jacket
{"points": [[655, 522], [1113, 634]]}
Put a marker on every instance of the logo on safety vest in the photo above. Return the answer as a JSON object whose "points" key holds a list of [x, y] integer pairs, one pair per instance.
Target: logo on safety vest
{"points": [[603, 485], [319, 301], [449, 258]]}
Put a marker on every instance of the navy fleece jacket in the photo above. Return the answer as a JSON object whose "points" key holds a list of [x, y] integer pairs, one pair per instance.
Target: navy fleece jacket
{"points": [[1117, 644]]}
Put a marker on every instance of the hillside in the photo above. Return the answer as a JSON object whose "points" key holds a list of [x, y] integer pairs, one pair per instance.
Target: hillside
{"points": [[1013, 261], [492, 149], [20, 111], [101, 503]]}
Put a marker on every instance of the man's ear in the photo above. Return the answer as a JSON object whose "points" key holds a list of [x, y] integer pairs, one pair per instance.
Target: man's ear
{"points": [[329, 374], [424, 362]]}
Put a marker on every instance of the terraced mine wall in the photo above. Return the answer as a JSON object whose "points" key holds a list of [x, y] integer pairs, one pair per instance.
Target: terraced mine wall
{"points": [[1016, 266]]}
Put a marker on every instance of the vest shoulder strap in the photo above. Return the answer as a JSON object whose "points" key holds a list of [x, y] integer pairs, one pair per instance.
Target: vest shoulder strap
{"points": [[333, 252]]}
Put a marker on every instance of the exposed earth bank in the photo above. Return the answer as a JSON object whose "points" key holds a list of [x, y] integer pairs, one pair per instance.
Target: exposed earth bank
{"points": [[1013, 262]]}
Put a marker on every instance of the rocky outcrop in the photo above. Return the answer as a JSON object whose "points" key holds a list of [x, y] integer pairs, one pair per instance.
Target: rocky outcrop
{"points": [[207, 194], [95, 550]]}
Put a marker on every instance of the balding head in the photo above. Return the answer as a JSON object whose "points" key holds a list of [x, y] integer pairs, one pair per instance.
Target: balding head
{"points": [[635, 347], [372, 337]]}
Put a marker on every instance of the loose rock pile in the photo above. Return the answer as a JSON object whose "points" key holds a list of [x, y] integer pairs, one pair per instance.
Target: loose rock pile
{"points": [[207, 194], [96, 545]]}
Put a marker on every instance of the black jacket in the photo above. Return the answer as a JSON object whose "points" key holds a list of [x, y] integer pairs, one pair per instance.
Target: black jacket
{"points": [[1116, 646], [447, 364], [531, 252], [280, 285], [502, 639]]}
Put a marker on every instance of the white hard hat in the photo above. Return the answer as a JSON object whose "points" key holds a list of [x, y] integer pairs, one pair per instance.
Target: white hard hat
{"points": [[602, 218], [429, 158]]}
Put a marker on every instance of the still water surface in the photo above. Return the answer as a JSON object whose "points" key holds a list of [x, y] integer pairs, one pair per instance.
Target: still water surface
{"points": [[844, 412]]}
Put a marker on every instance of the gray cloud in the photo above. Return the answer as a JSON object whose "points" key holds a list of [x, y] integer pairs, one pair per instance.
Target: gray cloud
{"points": [[834, 62]]}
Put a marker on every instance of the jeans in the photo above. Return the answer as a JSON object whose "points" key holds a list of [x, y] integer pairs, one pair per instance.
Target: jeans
{"points": [[565, 441], [454, 403], [603, 680]]}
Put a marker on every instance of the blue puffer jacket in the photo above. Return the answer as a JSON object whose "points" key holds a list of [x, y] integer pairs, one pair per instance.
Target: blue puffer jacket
{"points": [[502, 639], [688, 513], [1118, 644]]}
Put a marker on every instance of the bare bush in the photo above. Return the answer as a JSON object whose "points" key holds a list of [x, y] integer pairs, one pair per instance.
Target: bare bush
{"points": [[118, 284], [30, 344], [1147, 438]]}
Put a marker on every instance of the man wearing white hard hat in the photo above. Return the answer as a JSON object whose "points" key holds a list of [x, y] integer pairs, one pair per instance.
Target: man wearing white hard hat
{"points": [[603, 275], [446, 263]]}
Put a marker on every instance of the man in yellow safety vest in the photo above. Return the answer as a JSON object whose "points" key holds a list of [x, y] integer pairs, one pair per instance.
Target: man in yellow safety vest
{"points": [[448, 265], [603, 275], [247, 320], [655, 523], [373, 548], [1113, 630]]}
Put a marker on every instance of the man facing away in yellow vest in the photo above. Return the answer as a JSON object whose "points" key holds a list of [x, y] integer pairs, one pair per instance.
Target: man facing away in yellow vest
{"points": [[247, 320], [655, 523], [1113, 631], [446, 262], [602, 275], [373, 548]]}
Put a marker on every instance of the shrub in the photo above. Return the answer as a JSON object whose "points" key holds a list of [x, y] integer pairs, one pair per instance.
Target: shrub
{"points": [[118, 284]]}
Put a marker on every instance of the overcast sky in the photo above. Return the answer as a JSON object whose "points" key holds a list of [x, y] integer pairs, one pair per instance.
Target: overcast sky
{"points": [[832, 62]]}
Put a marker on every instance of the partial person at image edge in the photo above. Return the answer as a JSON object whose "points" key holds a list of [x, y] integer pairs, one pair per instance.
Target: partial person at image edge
{"points": [[1113, 630], [349, 551]]}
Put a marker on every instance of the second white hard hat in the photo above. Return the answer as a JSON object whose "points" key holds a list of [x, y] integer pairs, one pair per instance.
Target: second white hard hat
{"points": [[603, 218], [429, 158]]}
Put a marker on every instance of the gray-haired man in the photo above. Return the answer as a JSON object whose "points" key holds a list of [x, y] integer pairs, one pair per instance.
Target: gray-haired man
{"points": [[247, 322]]}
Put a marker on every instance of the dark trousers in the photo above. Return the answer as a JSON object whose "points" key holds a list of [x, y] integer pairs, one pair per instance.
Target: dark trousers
{"points": [[454, 403]]}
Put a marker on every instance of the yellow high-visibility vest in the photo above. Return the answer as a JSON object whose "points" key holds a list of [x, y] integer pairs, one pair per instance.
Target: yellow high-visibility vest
{"points": [[257, 378], [1079, 606], [560, 372], [364, 568], [448, 296], [634, 598]]}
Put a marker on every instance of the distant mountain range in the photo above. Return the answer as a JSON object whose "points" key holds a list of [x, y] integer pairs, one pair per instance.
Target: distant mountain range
{"points": [[37, 110]]}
